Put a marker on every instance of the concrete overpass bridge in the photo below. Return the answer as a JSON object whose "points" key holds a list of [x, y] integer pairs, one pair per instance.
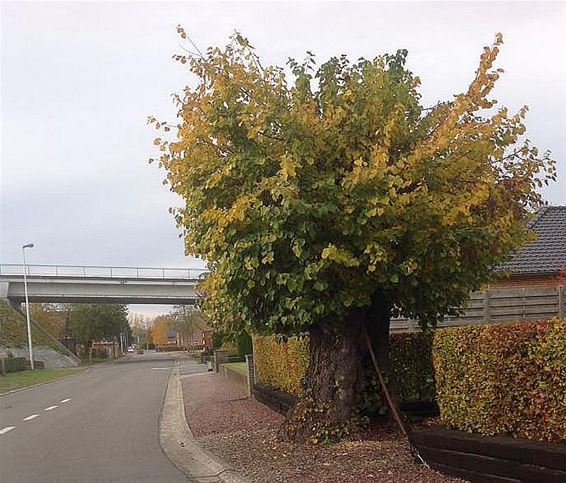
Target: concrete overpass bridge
{"points": [[99, 284]]}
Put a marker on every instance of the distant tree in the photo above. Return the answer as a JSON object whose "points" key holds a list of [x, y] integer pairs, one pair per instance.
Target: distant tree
{"points": [[138, 321], [149, 338], [160, 326], [140, 326], [52, 317], [332, 200], [187, 320], [90, 322]]}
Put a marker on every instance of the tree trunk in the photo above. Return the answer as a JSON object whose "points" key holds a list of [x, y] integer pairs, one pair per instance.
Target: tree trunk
{"points": [[378, 331], [330, 385], [336, 376]]}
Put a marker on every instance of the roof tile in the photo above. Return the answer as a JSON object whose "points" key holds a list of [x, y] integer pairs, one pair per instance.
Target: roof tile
{"points": [[547, 254]]}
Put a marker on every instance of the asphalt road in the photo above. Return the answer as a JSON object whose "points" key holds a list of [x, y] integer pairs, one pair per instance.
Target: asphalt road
{"points": [[97, 426]]}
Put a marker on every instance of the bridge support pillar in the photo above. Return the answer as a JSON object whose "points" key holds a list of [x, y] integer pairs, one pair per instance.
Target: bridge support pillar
{"points": [[4, 290]]}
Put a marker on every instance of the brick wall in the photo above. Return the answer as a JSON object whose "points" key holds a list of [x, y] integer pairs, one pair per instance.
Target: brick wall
{"points": [[529, 281], [207, 338], [197, 339]]}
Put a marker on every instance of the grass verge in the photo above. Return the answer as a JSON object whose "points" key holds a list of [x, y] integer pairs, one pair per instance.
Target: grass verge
{"points": [[17, 380], [95, 360], [237, 366]]}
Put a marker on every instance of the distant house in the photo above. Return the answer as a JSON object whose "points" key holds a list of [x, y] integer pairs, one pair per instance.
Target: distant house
{"points": [[541, 263], [200, 336], [108, 347], [532, 284], [172, 337]]}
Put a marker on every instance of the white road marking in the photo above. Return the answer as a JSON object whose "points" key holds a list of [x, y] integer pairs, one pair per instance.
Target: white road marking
{"points": [[7, 429], [50, 408], [30, 417], [162, 368], [66, 400]]}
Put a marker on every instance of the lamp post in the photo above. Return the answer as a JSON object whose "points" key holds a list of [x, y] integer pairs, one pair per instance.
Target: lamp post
{"points": [[28, 245]]}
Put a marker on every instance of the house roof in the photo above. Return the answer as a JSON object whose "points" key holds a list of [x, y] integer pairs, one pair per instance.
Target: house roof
{"points": [[201, 324], [547, 254]]}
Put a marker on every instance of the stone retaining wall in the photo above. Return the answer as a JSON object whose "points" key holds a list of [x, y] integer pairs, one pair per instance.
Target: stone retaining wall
{"points": [[51, 358]]}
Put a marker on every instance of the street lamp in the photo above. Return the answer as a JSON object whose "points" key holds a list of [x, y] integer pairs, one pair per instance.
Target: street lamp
{"points": [[28, 245]]}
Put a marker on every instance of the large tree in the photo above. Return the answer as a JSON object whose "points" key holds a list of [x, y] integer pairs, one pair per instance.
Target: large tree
{"points": [[185, 319], [330, 199], [89, 322], [52, 317]]}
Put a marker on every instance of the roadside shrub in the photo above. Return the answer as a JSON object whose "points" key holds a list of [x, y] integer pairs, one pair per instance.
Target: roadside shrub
{"points": [[411, 359], [282, 364], [228, 346], [507, 379], [217, 340], [99, 353], [169, 348], [15, 364], [244, 345]]}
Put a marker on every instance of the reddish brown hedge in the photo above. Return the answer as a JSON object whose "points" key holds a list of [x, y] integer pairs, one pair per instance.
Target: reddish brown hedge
{"points": [[503, 379]]}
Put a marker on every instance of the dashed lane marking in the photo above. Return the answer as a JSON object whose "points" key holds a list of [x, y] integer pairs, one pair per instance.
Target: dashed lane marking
{"points": [[66, 400], [161, 368], [50, 408], [30, 417], [7, 429]]}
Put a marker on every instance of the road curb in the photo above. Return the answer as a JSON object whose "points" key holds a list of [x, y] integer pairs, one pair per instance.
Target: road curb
{"points": [[180, 445], [15, 391]]}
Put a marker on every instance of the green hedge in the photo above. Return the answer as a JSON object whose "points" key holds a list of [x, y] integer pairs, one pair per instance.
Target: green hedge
{"points": [[14, 364], [99, 353], [507, 379], [411, 358], [282, 365], [244, 345]]}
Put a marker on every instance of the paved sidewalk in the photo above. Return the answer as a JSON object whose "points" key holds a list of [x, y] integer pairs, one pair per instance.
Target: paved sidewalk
{"points": [[243, 431], [178, 442]]}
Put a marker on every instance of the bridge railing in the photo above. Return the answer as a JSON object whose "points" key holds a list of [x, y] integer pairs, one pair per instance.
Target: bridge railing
{"points": [[97, 271]]}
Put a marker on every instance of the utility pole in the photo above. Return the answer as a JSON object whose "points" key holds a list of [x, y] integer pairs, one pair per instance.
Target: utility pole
{"points": [[32, 366]]}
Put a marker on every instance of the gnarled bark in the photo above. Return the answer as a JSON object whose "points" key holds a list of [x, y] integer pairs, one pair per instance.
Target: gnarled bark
{"points": [[335, 379]]}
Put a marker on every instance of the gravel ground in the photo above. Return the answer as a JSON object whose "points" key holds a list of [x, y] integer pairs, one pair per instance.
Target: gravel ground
{"points": [[243, 431]]}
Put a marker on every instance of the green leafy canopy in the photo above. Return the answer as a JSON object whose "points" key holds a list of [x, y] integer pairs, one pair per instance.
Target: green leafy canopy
{"points": [[89, 322], [309, 190]]}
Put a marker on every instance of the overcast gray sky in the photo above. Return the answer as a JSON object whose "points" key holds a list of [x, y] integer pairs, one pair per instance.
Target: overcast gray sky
{"points": [[79, 79]]}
